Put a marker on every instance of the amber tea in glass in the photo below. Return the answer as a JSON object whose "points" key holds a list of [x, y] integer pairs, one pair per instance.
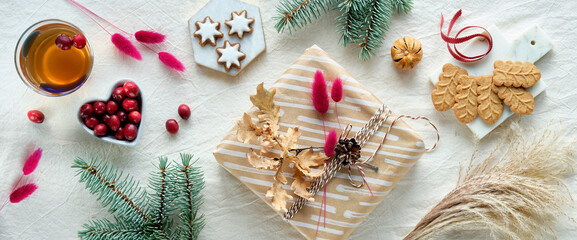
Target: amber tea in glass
{"points": [[48, 69]]}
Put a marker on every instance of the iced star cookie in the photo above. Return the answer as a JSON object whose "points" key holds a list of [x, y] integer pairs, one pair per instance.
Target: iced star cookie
{"points": [[230, 55], [207, 31], [239, 24]]}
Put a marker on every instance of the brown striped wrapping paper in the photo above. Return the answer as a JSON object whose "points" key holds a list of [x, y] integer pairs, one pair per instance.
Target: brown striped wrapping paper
{"points": [[346, 206]]}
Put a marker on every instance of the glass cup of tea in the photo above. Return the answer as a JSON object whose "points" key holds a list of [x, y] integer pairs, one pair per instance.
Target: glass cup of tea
{"points": [[46, 68]]}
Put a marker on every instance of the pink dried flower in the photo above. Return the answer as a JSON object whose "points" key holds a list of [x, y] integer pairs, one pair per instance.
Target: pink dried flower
{"points": [[337, 90], [32, 162], [320, 96], [125, 46], [22, 193], [170, 61], [149, 37], [330, 143]]}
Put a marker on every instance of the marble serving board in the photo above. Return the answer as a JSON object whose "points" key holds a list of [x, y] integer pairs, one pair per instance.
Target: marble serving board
{"points": [[529, 46], [252, 44]]}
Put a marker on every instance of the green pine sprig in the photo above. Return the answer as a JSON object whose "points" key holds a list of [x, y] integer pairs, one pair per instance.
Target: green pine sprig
{"points": [[295, 14], [377, 24], [176, 191]]}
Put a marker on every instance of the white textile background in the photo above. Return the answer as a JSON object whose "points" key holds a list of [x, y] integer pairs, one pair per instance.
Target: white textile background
{"points": [[61, 205]]}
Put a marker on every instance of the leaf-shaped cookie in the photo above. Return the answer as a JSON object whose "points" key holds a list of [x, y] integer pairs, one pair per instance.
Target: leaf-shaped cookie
{"points": [[466, 99], [443, 95], [516, 74], [520, 100], [490, 105]]}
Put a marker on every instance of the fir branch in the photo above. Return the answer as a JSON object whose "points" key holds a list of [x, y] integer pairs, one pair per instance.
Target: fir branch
{"points": [[351, 21], [401, 6], [160, 201], [104, 229], [293, 14], [378, 18], [189, 181], [114, 191]]}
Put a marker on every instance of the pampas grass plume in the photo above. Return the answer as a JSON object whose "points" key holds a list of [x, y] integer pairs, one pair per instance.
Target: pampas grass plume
{"points": [[22, 193], [170, 61], [320, 96], [32, 162], [330, 143], [337, 90], [149, 37], [125, 46]]}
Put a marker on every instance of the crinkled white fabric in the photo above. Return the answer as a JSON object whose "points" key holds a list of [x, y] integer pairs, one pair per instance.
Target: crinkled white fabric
{"points": [[61, 205]]}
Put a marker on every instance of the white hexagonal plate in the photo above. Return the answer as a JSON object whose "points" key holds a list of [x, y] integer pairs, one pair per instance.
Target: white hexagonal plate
{"points": [[251, 44]]}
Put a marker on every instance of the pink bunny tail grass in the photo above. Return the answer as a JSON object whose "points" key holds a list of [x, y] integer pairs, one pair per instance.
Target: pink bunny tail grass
{"points": [[125, 46], [170, 61], [337, 90], [330, 143], [149, 37], [22, 193], [320, 96], [32, 162]]}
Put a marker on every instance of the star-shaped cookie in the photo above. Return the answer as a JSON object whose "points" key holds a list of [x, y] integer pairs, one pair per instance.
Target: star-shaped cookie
{"points": [[207, 31], [230, 55], [239, 24]]}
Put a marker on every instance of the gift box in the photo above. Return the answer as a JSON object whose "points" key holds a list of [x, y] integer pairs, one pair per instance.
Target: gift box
{"points": [[346, 205]]}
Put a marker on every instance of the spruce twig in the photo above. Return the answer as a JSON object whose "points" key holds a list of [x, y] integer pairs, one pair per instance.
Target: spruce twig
{"points": [[189, 182], [351, 21], [295, 14], [377, 24], [401, 6]]}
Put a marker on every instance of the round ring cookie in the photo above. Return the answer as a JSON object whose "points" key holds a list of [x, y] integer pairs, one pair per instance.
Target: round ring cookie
{"points": [[230, 55], [239, 24], [207, 31]]}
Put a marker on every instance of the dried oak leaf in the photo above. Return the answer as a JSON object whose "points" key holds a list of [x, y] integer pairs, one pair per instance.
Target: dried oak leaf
{"points": [[515, 74], [300, 186], [308, 159], [260, 162], [279, 196], [247, 130], [290, 140], [264, 100]]}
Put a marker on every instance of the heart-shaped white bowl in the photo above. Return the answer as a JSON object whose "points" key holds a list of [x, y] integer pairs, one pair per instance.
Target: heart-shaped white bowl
{"points": [[111, 139]]}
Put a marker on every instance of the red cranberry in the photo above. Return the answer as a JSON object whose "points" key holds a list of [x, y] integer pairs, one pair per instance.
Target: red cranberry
{"points": [[130, 105], [99, 108], [114, 123], [100, 130], [119, 135], [79, 41], [172, 126], [111, 107], [118, 94], [63, 42], [134, 117], [184, 111], [130, 131], [106, 118], [85, 110], [122, 116], [36, 116], [131, 90], [90, 122]]}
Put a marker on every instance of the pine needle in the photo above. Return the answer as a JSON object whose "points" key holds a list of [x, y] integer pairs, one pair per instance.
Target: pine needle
{"points": [[516, 196], [375, 28], [293, 14]]}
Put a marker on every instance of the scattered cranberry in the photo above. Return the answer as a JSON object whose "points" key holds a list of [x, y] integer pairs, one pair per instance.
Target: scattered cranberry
{"points": [[119, 135], [106, 118], [79, 41], [91, 122], [36, 116], [130, 131], [111, 107], [184, 111], [114, 123], [134, 117], [63, 41], [172, 126], [100, 130], [118, 94], [130, 105], [85, 110], [122, 116], [99, 108], [131, 90]]}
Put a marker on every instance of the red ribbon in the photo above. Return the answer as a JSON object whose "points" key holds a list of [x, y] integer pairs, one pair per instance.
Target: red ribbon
{"points": [[452, 41]]}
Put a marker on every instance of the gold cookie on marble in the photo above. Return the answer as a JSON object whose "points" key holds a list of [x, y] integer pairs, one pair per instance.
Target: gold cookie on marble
{"points": [[516, 74], [520, 100], [465, 107], [443, 95], [490, 106]]}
